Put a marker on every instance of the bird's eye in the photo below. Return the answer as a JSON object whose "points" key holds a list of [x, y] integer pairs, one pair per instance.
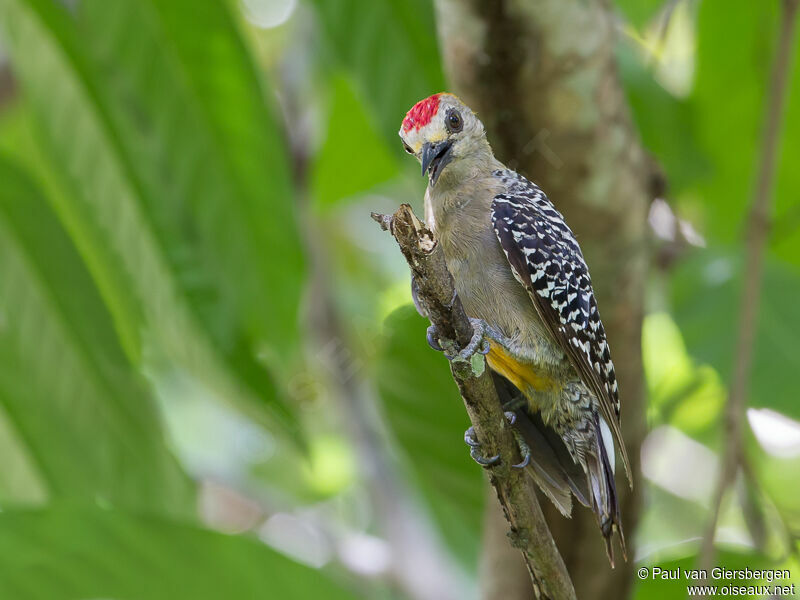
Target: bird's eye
{"points": [[408, 148], [453, 121]]}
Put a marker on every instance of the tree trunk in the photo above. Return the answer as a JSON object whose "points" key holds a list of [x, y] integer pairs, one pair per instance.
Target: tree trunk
{"points": [[542, 77]]}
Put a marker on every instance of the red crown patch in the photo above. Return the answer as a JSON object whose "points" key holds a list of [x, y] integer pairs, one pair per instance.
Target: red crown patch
{"points": [[421, 113]]}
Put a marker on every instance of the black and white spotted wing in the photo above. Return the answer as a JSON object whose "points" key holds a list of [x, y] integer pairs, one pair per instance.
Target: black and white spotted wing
{"points": [[545, 258]]}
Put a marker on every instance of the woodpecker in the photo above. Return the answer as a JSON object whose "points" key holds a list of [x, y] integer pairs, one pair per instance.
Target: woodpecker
{"points": [[522, 279]]}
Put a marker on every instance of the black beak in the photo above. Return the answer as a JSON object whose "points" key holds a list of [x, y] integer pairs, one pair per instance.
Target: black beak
{"points": [[435, 157]]}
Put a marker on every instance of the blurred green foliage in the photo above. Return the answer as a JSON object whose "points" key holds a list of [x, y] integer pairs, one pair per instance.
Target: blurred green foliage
{"points": [[151, 134], [420, 421], [67, 388], [179, 190], [350, 135], [68, 552], [361, 35]]}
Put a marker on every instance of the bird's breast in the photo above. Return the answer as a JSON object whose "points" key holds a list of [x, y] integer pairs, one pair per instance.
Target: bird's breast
{"points": [[489, 291]]}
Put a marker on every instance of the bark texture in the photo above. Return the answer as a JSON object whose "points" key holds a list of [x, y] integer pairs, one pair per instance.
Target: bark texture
{"points": [[541, 74]]}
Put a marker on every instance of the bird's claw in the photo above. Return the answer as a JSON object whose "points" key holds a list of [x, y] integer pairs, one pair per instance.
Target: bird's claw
{"points": [[474, 445], [467, 360], [524, 449], [478, 343], [432, 336]]}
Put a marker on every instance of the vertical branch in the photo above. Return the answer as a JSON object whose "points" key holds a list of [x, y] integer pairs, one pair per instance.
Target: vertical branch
{"points": [[515, 490], [758, 227]]}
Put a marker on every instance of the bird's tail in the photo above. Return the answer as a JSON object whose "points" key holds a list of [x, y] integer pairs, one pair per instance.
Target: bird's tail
{"points": [[599, 466], [586, 473], [551, 465]]}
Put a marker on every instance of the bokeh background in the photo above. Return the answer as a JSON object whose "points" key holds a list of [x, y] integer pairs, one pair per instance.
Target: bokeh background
{"points": [[212, 382]]}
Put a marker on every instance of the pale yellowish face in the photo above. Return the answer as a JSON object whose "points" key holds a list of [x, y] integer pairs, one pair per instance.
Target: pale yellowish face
{"points": [[438, 130]]}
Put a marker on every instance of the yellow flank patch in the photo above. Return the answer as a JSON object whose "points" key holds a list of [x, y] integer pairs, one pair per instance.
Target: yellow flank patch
{"points": [[523, 376]]}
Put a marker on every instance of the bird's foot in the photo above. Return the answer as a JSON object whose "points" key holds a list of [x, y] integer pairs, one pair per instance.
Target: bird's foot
{"points": [[432, 335], [474, 446], [469, 359], [524, 449], [474, 452], [479, 342]]}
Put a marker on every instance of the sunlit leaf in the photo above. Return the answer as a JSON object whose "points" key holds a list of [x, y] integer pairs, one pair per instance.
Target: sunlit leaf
{"points": [[706, 292], [776, 478], [175, 199], [354, 157], [681, 393], [82, 422]]}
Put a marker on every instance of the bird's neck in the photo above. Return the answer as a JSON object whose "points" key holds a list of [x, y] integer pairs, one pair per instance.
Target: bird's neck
{"points": [[465, 189]]}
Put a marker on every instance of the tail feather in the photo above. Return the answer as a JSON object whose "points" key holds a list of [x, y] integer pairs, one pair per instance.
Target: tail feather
{"points": [[551, 466], [600, 470], [551, 458], [584, 470], [545, 468]]}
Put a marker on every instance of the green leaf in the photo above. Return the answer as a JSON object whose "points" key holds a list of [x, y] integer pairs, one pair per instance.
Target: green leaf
{"points": [[668, 125], [84, 423], [777, 477], [705, 294], [709, 142], [734, 55], [68, 553], [427, 418], [681, 393], [639, 12], [191, 116], [390, 48], [354, 157], [175, 182]]}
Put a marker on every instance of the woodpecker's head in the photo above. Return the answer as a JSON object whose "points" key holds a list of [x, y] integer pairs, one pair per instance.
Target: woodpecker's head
{"points": [[441, 131]]}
